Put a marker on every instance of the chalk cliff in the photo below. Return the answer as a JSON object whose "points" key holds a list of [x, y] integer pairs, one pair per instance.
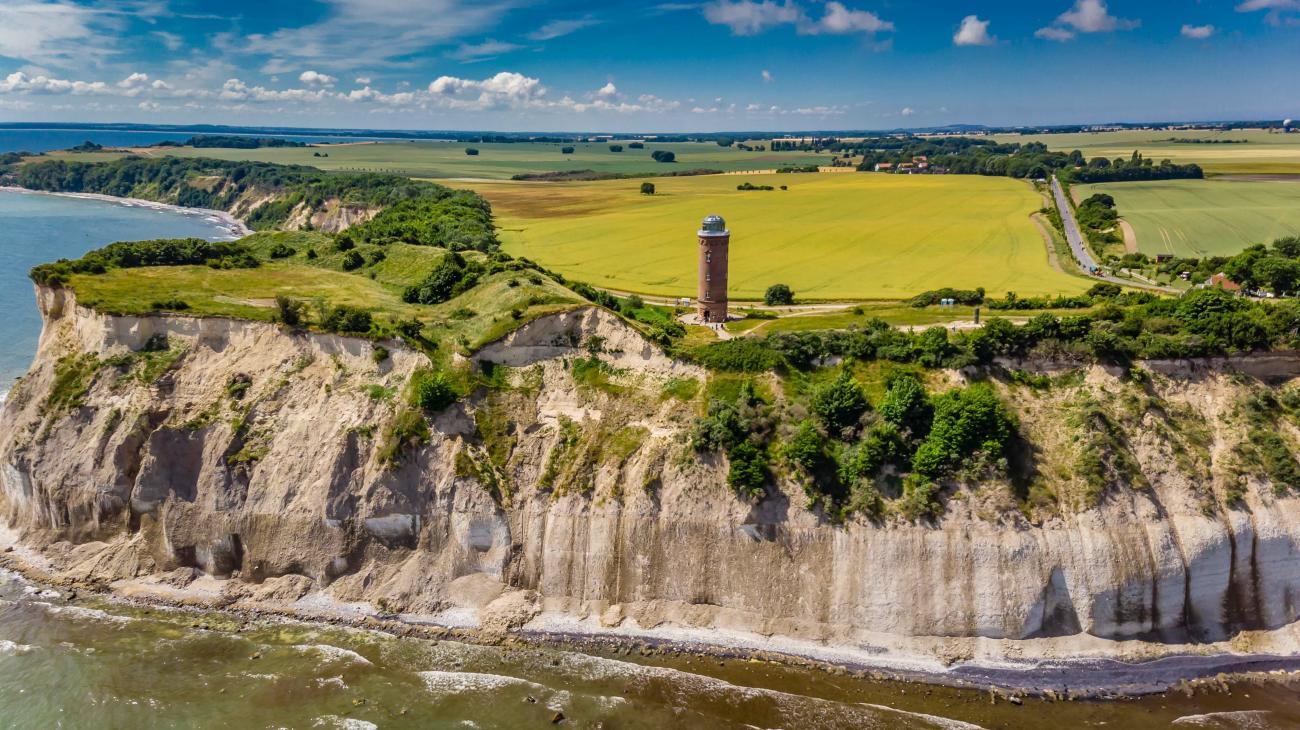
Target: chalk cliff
{"points": [[170, 451]]}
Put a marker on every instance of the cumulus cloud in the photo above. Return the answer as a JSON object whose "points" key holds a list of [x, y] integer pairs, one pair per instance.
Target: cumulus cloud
{"points": [[363, 80], [608, 90], [748, 17], [19, 82], [506, 89], [1087, 16], [973, 32], [55, 34], [1197, 32], [558, 28], [908, 111], [767, 76], [315, 78]]}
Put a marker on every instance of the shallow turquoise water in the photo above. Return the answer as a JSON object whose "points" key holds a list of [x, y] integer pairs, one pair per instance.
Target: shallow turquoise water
{"points": [[39, 228]]}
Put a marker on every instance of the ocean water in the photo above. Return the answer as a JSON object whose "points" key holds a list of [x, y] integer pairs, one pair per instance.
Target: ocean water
{"points": [[38, 228], [45, 140]]}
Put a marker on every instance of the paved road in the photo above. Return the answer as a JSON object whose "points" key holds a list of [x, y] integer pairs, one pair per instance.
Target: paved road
{"points": [[1072, 232], [1081, 253]]}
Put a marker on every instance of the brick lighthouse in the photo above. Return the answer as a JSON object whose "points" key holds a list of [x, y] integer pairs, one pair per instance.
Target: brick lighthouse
{"points": [[714, 240]]}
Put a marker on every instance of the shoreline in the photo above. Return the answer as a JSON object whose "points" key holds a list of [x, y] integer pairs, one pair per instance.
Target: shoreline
{"points": [[234, 227], [1092, 679]]}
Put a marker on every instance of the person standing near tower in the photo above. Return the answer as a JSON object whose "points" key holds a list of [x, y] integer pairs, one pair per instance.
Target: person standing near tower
{"points": [[712, 291]]}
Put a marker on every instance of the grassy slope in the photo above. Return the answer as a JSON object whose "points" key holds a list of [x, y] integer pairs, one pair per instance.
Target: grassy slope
{"points": [[1263, 153], [494, 161], [481, 315], [1205, 217], [829, 236]]}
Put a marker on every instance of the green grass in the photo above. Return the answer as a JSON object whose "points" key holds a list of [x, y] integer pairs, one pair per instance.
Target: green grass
{"points": [[465, 323], [494, 161], [895, 313], [849, 236], [1263, 153], [1205, 217]]}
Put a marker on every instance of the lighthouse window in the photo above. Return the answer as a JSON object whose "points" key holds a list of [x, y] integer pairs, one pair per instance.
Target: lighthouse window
{"points": [[708, 256], [708, 276]]}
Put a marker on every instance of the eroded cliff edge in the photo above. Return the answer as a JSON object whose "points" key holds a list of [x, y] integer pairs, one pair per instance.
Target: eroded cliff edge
{"points": [[239, 461]]}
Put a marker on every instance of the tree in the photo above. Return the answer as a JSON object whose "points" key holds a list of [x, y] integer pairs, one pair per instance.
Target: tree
{"points": [[748, 471], [965, 421], [778, 294], [805, 448], [647, 188], [471, 151], [841, 403], [566, 150], [289, 311], [616, 148], [663, 156], [907, 406], [352, 260]]}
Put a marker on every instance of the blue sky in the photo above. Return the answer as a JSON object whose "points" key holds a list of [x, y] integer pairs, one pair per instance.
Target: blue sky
{"points": [[620, 66]]}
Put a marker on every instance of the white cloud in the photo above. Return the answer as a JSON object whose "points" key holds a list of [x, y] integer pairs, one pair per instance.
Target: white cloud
{"points": [[1054, 34], [767, 76], [608, 90], [315, 78], [486, 50], [1277, 9], [369, 33], [558, 28], [19, 82], [1087, 16], [506, 89], [748, 17], [1197, 32], [839, 19], [56, 34], [973, 32], [172, 41], [363, 80], [908, 111]]}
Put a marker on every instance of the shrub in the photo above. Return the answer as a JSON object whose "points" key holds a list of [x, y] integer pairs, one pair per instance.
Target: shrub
{"points": [[663, 156], [289, 311], [432, 391], [636, 145], [740, 355], [860, 462], [379, 354], [170, 305], [906, 406], [748, 471], [778, 294], [353, 260], [566, 150], [839, 405], [344, 318], [647, 188], [282, 251], [805, 449], [344, 242], [965, 421], [471, 151], [616, 148]]}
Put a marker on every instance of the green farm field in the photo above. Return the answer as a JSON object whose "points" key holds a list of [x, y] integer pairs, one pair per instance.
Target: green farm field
{"points": [[1263, 152], [830, 236], [1204, 217], [494, 161]]}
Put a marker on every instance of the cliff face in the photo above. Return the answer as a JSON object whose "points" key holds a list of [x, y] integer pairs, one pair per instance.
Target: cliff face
{"points": [[147, 450]]}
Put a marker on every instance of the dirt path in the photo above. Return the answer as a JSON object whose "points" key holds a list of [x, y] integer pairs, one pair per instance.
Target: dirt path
{"points": [[1130, 236]]}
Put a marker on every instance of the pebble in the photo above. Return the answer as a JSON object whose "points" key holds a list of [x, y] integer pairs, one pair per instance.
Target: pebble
{"points": [[557, 718]]}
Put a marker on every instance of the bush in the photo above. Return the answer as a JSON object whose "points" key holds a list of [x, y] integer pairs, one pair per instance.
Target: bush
{"points": [[471, 151], [616, 148], [353, 260], [347, 319], [636, 145], [805, 449], [647, 188], [739, 355], [170, 305], [379, 354], [282, 251], [906, 406], [432, 391], [748, 471], [778, 294], [289, 311], [965, 421], [840, 404], [663, 156], [566, 150]]}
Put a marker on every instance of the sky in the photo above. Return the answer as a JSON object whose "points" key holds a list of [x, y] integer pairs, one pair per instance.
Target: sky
{"points": [[538, 65]]}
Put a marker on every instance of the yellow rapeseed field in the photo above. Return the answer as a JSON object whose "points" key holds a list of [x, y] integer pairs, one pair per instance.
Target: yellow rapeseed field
{"points": [[829, 236]]}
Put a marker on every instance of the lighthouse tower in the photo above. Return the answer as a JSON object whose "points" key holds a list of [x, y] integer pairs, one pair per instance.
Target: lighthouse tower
{"points": [[714, 240]]}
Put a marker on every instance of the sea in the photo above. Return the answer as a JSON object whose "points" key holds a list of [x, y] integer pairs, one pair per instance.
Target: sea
{"points": [[46, 140], [85, 661]]}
